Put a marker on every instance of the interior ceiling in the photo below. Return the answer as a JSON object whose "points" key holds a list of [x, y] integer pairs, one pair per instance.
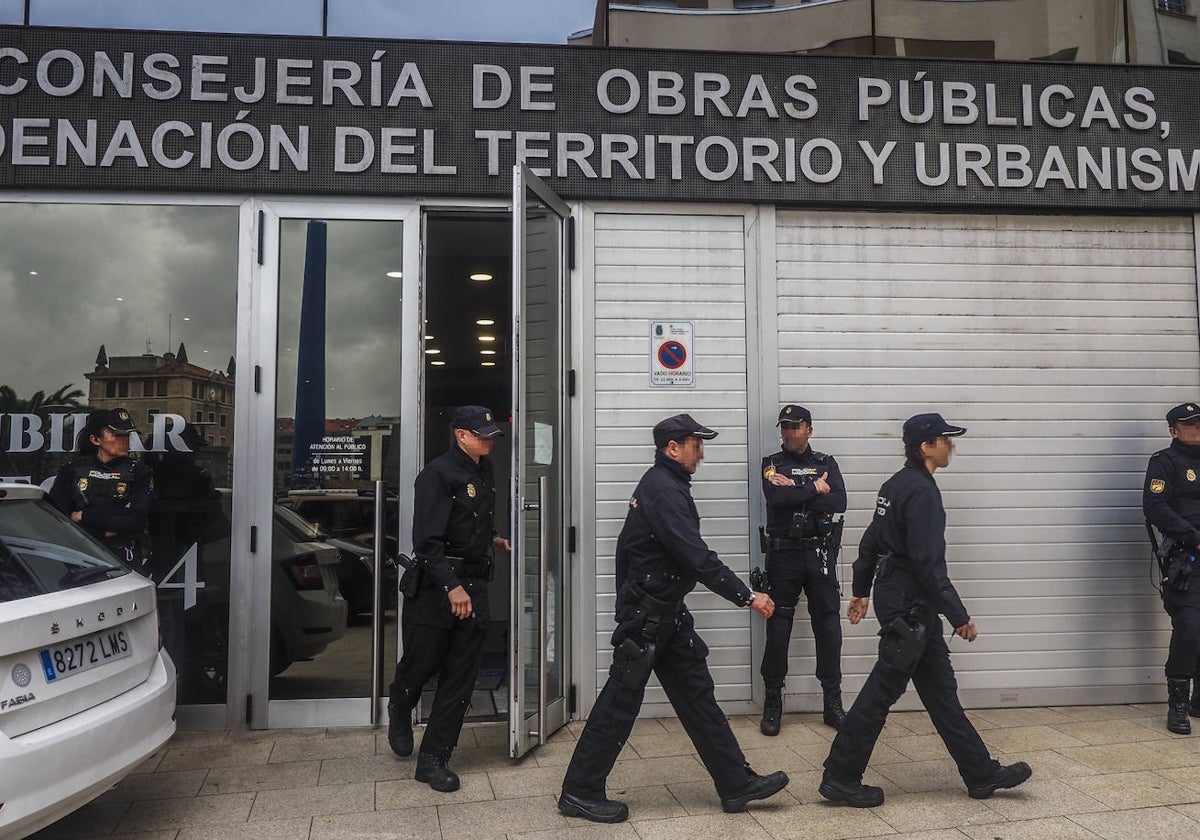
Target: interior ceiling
{"points": [[458, 245]]}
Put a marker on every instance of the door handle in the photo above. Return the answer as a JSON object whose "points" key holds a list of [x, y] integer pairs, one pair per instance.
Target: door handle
{"points": [[530, 506]]}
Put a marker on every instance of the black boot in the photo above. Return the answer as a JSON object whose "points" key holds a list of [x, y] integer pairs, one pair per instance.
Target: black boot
{"points": [[756, 787], [431, 769], [772, 712], [400, 735], [854, 794], [1194, 706], [1177, 707], [834, 713]]}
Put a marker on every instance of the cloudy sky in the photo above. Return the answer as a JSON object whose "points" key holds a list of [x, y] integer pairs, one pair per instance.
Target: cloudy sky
{"points": [[534, 21]]}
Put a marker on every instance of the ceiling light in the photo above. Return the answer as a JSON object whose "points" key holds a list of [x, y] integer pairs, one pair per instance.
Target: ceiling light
{"points": [[395, 274], [33, 274], [438, 362], [487, 338], [487, 364], [485, 322], [432, 351], [487, 352], [481, 277], [186, 318], [121, 299], [429, 338]]}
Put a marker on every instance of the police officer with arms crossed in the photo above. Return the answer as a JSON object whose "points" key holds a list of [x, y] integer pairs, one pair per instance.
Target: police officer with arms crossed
{"points": [[103, 489], [904, 552], [660, 557], [1171, 503], [445, 594], [803, 489]]}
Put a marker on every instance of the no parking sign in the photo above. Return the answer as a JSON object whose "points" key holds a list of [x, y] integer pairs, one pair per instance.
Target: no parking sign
{"points": [[671, 360]]}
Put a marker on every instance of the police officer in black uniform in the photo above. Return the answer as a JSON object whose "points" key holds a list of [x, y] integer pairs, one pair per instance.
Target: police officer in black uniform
{"points": [[1171, 503], [804, 490], [445, 614], [660, 557], [103, 489], [904, 552]]}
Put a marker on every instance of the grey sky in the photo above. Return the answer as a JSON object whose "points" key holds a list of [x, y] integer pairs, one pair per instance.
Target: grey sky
{"points": [[533, 21]]}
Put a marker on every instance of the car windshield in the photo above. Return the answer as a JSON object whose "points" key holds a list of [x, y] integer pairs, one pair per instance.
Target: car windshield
{"points": [[296, 525], [41, 551]]}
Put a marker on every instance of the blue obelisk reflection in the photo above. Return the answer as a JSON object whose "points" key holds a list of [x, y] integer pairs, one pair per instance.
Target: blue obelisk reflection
{"points": [[310, 359]]}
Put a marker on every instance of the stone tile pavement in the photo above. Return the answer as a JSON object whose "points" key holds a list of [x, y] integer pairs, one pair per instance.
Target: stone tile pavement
{"points": [[1099, 772]]}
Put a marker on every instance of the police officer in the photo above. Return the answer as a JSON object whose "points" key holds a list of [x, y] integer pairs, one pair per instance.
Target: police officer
{"points": [[904, 552], [660, 557], [803, 489], [445, 614], [103, 489], [1171, 503]]}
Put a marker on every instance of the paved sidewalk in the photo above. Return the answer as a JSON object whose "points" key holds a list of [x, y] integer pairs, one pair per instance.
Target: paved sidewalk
{"points": [[1098, 771]]}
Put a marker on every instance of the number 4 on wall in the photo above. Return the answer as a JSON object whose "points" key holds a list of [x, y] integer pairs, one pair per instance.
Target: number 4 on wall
{"points": [[189, 584]]}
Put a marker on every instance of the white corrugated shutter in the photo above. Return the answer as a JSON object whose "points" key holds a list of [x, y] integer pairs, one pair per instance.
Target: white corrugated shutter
{"points": [[1060, 341], [673, 267]]}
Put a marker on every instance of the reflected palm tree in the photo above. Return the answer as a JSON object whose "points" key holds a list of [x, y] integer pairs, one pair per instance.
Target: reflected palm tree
{"points": [[40, 404]]}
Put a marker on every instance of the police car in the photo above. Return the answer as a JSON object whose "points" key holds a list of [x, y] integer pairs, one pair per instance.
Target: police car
{"points": [[86, 691]]}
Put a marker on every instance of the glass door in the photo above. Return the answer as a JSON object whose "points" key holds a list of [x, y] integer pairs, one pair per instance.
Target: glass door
{"points": [[540, 449], [331, 408]]}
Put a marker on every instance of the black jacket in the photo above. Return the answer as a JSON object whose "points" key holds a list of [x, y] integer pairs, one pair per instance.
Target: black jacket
{"points": [[910, 522], [1171, 493], [454, 511], [804, 468], [113, 497], [660, 546]]}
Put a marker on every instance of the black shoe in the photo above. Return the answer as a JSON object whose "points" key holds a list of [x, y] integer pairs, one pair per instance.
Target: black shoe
{"points": [[1177, 707], [834, 713], [1006, 776], [759, 787], [400, 735], [596, 810], [432, 770], [856, 795], [772, 712]]}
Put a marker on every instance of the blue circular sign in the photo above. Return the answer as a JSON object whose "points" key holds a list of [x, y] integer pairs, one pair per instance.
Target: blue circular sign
{"points": [[672, 355]]}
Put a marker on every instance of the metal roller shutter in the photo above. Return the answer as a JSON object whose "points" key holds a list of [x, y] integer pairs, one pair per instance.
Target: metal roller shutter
{"points": [[1060, 342]]}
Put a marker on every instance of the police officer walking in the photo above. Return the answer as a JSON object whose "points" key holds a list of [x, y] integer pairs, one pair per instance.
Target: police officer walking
{"points": [[103, 489], [660, 557], [803, 489], [904, 552], [1171, 503], [445, 614]]}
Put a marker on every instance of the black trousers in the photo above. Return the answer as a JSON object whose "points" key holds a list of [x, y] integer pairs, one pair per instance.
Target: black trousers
{"points": [[934, 678], [682, 670], [1183, 657], [453, 650], [790, 573]]}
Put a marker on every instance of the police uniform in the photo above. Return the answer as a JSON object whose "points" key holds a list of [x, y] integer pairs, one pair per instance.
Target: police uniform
{"points": [[802, 557], [903, 551], [660, 557], [113, 497], [454, 509], [1171, 503]]}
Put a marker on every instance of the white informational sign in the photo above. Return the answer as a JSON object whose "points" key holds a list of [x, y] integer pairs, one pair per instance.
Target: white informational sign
{"points": [[671, 361]]}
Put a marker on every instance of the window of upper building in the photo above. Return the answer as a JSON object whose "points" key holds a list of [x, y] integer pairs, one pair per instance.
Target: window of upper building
{"points": [[273, 17], [753, 4], [1179, 7], [12, 11]]}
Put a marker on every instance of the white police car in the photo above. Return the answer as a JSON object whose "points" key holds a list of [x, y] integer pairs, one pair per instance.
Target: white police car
{"points": [[86, 692]]}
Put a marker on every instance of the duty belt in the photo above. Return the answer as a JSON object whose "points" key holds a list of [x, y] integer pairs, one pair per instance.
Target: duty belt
{"points": [[653, 606], [481, 570], [782, 543]]}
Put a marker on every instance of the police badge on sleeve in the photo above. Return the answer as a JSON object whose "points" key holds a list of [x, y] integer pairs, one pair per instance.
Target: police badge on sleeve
{"points": [[1157, 485]]}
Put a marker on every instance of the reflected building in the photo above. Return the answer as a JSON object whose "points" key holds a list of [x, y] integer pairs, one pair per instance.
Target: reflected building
{"points": [[1083, 31]]}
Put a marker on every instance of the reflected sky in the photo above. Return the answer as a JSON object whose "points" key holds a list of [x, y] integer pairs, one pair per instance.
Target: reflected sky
{"points": [[521, 21], [12, 11]]}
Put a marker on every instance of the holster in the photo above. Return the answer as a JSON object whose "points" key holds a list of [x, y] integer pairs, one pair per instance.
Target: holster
{"points": [[759, 580], [633, 662], [1179, 571], [902, 641], [410, 581]]}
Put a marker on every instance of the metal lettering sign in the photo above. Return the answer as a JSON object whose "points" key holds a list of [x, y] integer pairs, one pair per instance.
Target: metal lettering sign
{"points": [[105, 110], [672, 362]]}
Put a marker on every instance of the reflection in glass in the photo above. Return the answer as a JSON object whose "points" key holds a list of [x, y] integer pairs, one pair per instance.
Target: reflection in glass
{"points": [[337, 432], [526, 21], [133, 306], [12, 11], [274, 17]]}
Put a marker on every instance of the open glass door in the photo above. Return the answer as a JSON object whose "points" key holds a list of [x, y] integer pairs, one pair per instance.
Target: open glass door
{"points": [[540, 496]]}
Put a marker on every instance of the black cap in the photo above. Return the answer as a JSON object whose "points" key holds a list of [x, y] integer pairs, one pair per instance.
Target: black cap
{"points": [[925, 427], [477, 419], [679, 427], [1186, 411], [794, 414], [117, 419]]}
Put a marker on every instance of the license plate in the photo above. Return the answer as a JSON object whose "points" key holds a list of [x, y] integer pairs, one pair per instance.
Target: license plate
{"points": [[79, 655]]}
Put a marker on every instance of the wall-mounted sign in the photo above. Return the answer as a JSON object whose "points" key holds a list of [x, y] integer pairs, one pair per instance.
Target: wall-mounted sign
{"points": [[671, 360]]}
